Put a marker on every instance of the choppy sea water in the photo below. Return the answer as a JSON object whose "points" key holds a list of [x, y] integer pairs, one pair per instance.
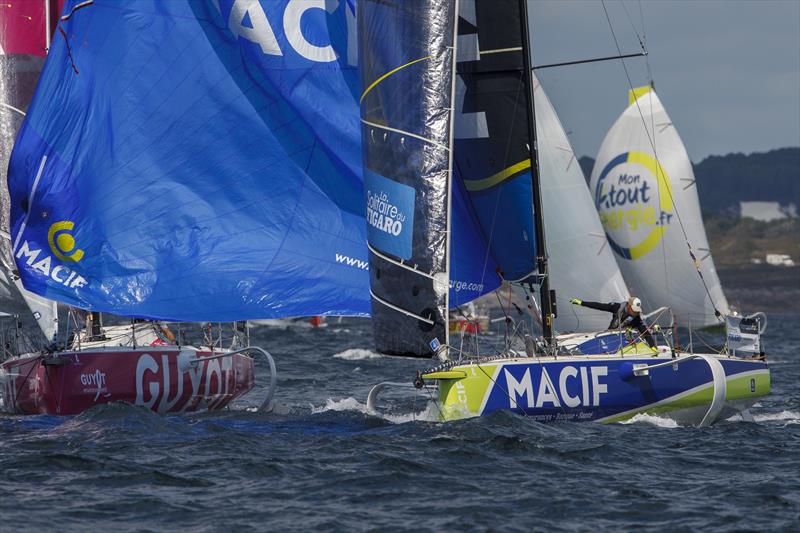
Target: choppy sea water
{"points": [[319, 461]]}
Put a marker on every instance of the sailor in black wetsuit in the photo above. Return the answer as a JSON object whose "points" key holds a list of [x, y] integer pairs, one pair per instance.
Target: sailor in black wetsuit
{"points": [[625, 315]]}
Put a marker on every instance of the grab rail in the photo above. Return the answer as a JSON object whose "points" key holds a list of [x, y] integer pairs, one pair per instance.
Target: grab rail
{"points": [[761, 316], [718, 377], [372, 397]]}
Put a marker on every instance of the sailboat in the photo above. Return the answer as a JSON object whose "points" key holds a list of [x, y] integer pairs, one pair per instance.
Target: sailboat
{"points": [[185, 162], [418, 165], [203, 162], [645, 191]]}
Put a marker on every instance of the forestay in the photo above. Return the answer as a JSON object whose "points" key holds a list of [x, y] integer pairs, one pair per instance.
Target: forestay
{"points": [[644, 189]]}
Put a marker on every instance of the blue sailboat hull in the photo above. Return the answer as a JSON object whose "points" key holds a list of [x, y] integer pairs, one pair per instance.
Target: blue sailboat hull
{"points": [[605, 388]]}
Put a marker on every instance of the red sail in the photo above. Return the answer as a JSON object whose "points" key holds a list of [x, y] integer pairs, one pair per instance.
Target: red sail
{"points": [[24, 26]]}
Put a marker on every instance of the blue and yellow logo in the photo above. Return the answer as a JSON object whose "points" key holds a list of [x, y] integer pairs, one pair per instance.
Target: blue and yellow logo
{"points": [[627, 202], [62, 243]]}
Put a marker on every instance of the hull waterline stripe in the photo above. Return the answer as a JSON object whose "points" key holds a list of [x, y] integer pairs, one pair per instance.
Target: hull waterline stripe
{"points": [[666, 401]]}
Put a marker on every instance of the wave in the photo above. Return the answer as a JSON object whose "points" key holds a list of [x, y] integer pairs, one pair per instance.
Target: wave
{"points": [[429, 414], [357, 354], [653, 420], [790, 417]]}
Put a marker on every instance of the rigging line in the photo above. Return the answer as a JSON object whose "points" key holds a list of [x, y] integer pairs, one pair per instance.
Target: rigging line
{"points": [[644, 39], [513, 399], [502, 183], [633, 26], [652, 145]]}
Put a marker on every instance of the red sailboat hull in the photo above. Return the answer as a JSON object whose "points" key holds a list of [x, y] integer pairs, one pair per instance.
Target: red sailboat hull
{"points": [[165, 379]]}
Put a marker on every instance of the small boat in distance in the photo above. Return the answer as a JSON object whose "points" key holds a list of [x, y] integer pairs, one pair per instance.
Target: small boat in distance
{"points": [[316, 321]]}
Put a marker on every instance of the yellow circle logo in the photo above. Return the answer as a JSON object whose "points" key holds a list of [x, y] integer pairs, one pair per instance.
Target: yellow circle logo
{"points": [[62, 243]]}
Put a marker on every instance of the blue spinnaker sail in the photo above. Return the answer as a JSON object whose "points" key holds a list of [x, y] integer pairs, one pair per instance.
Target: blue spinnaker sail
{"points": [[202, 161], [193, 160]]}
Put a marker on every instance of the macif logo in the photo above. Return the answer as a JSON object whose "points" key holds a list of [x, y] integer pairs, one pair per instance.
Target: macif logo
{"points": [[62, 243]]}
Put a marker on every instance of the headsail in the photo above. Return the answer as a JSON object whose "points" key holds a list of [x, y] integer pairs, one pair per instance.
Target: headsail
{"points": [[407, 60], [645, 192], [195, 161], [582, 264]]}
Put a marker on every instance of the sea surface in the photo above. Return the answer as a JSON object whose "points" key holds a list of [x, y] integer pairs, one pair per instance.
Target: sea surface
{"points": [[320, 462]]}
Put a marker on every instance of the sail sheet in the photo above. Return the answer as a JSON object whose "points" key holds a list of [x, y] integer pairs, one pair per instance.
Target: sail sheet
{"points": [[407, 57], [581, 263], [642, 183], [195, 161], [492, 152]]}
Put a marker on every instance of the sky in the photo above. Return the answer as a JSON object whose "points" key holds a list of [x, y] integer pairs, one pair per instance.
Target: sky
{"points": [[728, 72]]}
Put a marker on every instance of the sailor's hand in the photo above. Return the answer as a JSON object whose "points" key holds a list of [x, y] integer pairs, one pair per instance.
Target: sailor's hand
{"points": [[575, 301]]}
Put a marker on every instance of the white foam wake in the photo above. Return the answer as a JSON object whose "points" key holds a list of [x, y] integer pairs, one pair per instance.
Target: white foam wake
{"points": [[429, 414], [652, 420], [357, 354], [791, 417]]}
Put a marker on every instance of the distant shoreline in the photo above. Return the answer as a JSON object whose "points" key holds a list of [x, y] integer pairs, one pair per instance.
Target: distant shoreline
{"points": [[767, 288]]}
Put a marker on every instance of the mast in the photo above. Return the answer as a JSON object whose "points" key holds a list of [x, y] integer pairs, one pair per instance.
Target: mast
{"points": [[47, 25], [541, 248]]}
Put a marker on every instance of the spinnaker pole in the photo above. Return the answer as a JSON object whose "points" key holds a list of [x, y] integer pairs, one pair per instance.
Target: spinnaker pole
{"points": [[541, 248]]}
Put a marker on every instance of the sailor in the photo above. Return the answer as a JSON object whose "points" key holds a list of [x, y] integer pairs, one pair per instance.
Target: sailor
{"points": [[625, 315]]}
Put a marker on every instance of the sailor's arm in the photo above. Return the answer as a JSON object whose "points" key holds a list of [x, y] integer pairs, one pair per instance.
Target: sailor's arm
{"points": [[610, 308], [644, 331]]}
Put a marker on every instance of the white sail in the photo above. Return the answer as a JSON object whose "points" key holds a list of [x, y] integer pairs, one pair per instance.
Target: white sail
{"points": [[44, 311], [642, 183], [581, 263]]}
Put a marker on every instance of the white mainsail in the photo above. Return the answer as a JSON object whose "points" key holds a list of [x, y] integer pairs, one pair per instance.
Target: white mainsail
{"points": [[581, 263], [644, 189]]}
